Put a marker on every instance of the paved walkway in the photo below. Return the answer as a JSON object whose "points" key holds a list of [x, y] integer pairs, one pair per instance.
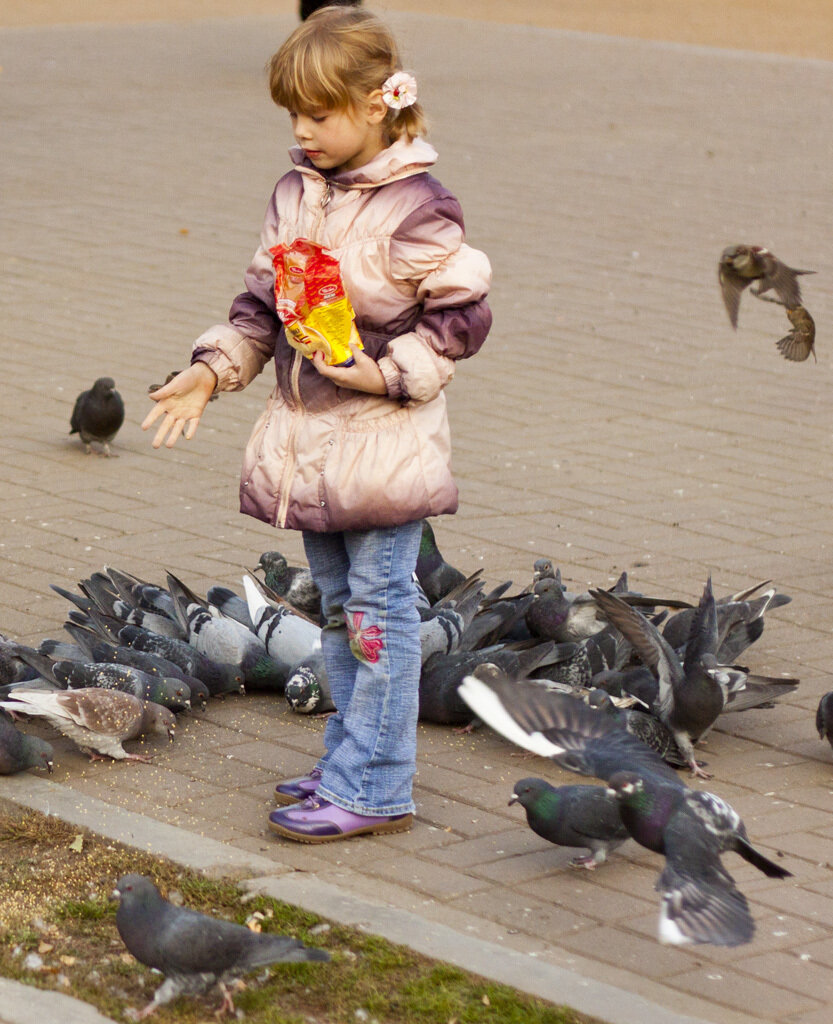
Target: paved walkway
{"points": [[614, 421]]}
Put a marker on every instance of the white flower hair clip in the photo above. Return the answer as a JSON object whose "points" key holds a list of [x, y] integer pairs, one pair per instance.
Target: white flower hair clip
{"points": [[400, 90]]}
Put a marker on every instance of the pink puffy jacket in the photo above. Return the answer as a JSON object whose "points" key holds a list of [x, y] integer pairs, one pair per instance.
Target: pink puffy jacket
{"points": [[322, 457]]}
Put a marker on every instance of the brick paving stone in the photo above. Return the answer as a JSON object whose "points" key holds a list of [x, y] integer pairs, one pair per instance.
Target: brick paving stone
{"points": [[728, 987]]}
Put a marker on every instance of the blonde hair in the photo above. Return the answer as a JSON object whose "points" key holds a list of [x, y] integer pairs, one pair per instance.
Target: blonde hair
{"points": [[333, 61]]}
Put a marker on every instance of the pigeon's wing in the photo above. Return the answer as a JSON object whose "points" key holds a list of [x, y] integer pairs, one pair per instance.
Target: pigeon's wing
{"points": [[559, 726], [702, 634], [783, 280], [106, 712], [699, 900], [648, 642]]}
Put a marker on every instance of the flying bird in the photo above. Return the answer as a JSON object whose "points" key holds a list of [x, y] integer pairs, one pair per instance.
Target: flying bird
{"points": [[740, 265], [193, 950], [798, 343], [98, 414], [691, 829]]}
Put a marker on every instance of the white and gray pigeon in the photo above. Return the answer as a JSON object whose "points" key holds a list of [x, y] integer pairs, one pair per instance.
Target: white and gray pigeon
{"points": [[98, 721], [691, 829], [225, 640], [287, 636], [194, 951], [98, 414], [574, 816]]}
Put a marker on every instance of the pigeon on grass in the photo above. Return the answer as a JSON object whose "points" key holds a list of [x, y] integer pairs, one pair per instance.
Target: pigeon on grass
{"points": [[193, 950], [98, 721], [98, 414], [691, 829], [576, 816]]}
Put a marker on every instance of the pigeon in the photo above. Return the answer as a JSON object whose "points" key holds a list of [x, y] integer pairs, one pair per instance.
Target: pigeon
{"points": [[193, 950], [141, 593], [559, 615], [641, 724], [98, 414], [217, 676], [229, 604], [700, 903], [798, 343], [102, 592], [293, 583], [225, 640], [436, 576], [824, 718], [740, 265], [19, 751], [691, 693], [98, 721], [287, 636], [76, 675], [308, 688], [579, 816]]}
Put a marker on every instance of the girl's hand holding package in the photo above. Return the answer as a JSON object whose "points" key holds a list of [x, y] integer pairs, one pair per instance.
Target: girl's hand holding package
{"points": [[362, 375], [182, 402]]}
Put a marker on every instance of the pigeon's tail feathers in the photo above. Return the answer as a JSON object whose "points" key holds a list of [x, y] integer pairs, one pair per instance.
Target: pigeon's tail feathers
{"points": [[254, 598], [80, 601], [760, 691], [702, 912], [183, 597], [39, 662], [85, 637], [759, 861], [470, 586], [490, 705], [272, 949]]}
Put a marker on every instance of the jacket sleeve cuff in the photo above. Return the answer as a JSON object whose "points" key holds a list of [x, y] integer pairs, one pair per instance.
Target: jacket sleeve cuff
{"points": [[219, 362], [393, 378]]}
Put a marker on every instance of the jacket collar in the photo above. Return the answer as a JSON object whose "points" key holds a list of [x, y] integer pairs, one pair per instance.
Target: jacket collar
{"points": [[401, 159]]}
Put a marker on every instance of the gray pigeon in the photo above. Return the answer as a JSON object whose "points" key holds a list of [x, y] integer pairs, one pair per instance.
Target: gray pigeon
{"points": [[293, 583], [98, 721], [436, 576], [98, 414], [19, 751], [193, 950], [578, 816]]}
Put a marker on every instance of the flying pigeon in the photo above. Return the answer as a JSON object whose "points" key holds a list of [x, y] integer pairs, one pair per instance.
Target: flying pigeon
{"points": [[700, 902], [577, 816], [98, 414], [98, 721], [193, 950], [740, 265]]}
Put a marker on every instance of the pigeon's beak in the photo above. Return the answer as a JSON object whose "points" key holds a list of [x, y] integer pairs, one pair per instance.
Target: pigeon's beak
{"points": [[50, 766], [610, 792], [115, 894], [171, 734], [513, 799]]}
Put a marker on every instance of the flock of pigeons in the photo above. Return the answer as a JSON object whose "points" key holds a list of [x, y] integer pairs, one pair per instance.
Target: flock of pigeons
{"points": [[607, 683]]}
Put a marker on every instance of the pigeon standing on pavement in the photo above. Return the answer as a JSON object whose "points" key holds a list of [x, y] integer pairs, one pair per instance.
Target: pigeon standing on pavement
{"points": [[193, 950], [98, 414], [798, 343], [19, 751], [98, 721], [740, 265], [576, 816], [691, 829]]}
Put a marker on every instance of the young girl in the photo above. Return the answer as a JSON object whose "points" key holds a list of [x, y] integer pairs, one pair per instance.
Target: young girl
{"points": [[354, 456]]}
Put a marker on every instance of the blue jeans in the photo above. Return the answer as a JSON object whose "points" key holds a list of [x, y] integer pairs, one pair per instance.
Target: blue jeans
{"points": [[371, 651]]}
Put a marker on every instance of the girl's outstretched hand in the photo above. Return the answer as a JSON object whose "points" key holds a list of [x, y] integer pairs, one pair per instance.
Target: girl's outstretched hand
{"points": [[363, 375], [182, 402]]}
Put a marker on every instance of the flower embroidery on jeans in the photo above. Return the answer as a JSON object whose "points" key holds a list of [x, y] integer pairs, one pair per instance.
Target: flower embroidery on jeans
{"points": [[364, 643]]}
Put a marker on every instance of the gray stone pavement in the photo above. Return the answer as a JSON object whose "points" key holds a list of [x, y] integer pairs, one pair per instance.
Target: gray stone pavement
{"points": [[613, 421]]}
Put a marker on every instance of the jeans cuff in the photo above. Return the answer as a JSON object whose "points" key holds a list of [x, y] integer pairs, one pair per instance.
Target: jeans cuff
{"points": [[371, 812]]}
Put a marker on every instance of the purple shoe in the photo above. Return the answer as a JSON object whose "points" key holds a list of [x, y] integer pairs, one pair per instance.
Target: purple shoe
{"points": [[319, 821], [296, 790]]}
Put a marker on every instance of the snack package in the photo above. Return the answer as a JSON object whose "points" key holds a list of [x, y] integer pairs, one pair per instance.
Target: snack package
{"points": [[311, 301]]}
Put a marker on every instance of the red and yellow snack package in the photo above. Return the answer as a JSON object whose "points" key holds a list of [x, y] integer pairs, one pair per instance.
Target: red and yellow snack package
{"points": [[312, 303]]}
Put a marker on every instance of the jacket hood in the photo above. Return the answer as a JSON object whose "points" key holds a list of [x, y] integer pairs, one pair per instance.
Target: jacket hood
{"points": [[400, 160]]}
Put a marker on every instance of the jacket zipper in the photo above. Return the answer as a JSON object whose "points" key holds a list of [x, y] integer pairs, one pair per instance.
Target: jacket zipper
{"points": [[295, 373]]}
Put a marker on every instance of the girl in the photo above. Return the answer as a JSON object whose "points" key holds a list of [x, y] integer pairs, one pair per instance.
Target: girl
{"points": [[352, 455]]}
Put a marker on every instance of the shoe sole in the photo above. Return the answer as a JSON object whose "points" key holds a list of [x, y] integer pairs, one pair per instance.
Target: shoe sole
{"points": [[385, 827]]}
